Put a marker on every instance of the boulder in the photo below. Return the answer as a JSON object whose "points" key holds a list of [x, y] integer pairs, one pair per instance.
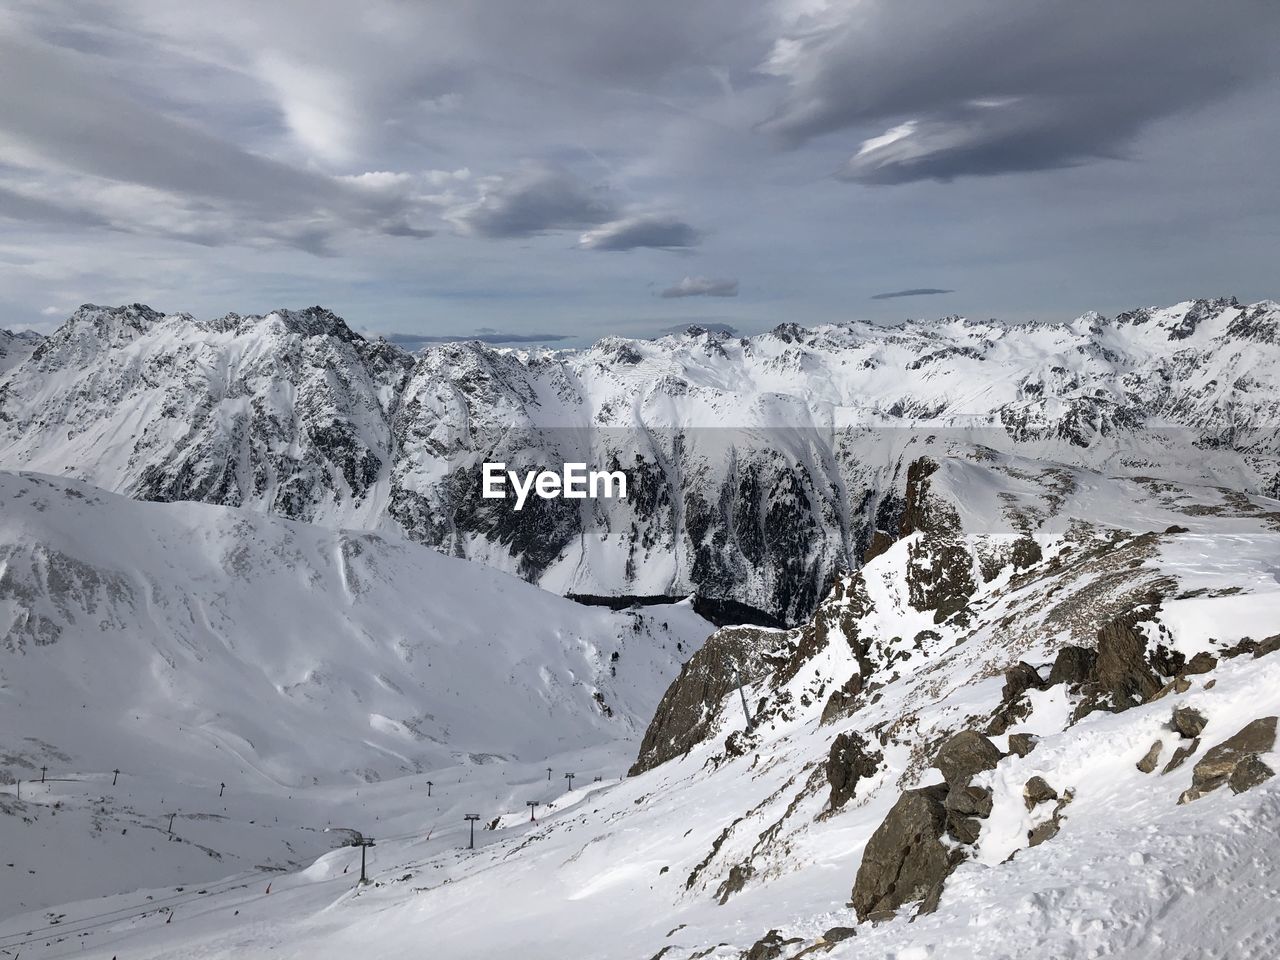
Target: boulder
{"points": [[1018, 679], [1152, 757], [851, 758], [1073, 665], [1180, 756], [1176, 685], [1037, 791], [963, 829], [1049, 829], [1220, 762], [1021, 744], [1248, 773], [1201, 663], [905, 857], [965, 754], [839, 934], [769, 947], [969, 801], [1188, 721]]}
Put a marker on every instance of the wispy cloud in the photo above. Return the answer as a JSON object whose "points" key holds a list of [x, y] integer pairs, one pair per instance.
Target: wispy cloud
{"points": [[701, 287], [660, 231], [913, 292]]}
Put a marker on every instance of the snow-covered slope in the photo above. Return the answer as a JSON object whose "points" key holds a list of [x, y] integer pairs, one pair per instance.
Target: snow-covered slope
{"points": [[191, 645], [1068, 648], [760, 467]]}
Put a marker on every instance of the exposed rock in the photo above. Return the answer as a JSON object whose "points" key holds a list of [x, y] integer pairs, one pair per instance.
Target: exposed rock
{"points": [[1018, 679], [850, 759], [1180, 756], [1021, 744], [1220, 762], [839, 934], [1152, 757], [1202, 662], [1269, 645], [1248, 773], [1176, 685], [963, 829], [1122, 668], [1188, 722], [1049, 829], [965, 754], [769, 947], [738, 876], [1073, 665], [905, 857], [685, 716], [1037, 791], [969, 801], [1044, 831], [842, 700], [1025, 553]]}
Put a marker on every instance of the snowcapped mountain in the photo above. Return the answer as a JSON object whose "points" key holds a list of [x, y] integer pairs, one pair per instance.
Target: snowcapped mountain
{"points": [[1054, 740], [760, 467], [16, 347], [192, 645]]}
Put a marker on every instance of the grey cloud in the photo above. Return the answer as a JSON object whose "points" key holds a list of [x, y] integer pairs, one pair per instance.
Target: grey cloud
{"points": [[56, 107], [660, 231], [533, 202], [701, 287], [913, 292], [962, 87]]}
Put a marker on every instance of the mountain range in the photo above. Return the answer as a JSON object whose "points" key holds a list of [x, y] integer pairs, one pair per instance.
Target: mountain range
{"points": [[762, 468]]}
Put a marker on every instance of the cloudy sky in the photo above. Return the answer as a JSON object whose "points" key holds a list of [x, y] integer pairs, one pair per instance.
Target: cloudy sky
{"points": [[574, 168]]}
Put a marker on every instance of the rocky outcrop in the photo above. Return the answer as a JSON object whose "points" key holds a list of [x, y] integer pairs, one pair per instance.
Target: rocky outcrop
{"points": [[906, 858], [851, 759], [1188, 722], [1073, 666], [1234, 761], [965, 754], [687, 713]]}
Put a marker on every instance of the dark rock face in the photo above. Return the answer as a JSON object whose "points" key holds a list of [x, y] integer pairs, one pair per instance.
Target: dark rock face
{"points": [[1122, 669], [905, 857], [965, 754], [1220, 763], [1188, 722], [1018, 679], [850, 760], [969, 801], [1073, 665], [842, 700], [688, 708]]}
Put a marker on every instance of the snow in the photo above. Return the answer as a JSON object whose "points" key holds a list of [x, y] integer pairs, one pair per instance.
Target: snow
{"points": [[620, 868]]}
